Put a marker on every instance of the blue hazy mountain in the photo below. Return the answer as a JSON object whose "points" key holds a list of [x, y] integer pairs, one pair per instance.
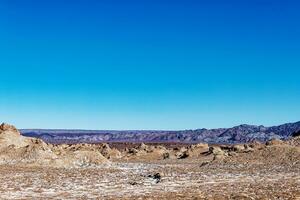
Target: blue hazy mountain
{"points": [[238, 134]]}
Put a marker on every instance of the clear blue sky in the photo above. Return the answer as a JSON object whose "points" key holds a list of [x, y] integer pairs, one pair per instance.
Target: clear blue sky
{"points": [[151, 64]]}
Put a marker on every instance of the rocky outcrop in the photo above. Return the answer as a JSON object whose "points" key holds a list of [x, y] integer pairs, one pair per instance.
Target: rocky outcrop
{"points": [[17, 149], [217, 152], [9, 135], [182, 153], [79, 158], [108, 152]]}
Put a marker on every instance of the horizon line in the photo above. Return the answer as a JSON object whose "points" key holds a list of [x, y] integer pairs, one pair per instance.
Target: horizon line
{"points": [[79, 129]]}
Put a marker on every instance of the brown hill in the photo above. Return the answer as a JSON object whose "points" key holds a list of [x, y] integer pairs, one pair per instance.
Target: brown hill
{"points": [[17, 149]]}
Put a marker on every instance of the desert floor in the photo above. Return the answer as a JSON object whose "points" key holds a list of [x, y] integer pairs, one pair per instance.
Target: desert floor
{"points": [[179, 179], [33, 169]]}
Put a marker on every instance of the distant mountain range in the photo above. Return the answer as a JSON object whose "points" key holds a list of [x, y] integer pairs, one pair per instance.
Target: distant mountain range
{"points": [[238, 134]]}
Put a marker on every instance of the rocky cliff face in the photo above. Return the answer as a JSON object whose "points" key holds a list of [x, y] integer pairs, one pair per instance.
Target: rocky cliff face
{"points": [[239, 134]]}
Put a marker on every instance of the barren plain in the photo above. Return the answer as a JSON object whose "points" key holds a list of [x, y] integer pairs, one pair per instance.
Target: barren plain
{"points": [[32, 169]]}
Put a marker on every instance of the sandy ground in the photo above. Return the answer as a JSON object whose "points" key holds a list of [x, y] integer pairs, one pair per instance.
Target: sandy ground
{"points": [[183, 179]]}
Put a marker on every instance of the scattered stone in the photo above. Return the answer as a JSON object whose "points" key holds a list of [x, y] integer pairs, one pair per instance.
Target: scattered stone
{"points": [[166, 155], [182, 155], [204, 163], [133, 151], [156, 177], [133, 183]]}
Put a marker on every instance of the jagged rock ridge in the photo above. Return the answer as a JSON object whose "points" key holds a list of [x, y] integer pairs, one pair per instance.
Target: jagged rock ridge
{"points": [[238, 134]]}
